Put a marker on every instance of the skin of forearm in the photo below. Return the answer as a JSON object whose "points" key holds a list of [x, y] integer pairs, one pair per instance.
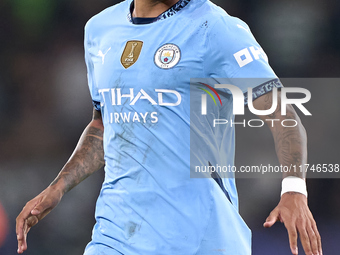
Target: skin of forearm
{"points": [[86, 159], [290, 142]]}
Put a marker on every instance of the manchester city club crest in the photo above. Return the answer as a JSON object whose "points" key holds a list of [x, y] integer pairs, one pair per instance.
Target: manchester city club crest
{"points": [[167, 56]]}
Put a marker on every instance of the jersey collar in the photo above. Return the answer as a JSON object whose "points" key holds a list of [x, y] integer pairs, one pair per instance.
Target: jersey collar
{"points": [[167, 14]]}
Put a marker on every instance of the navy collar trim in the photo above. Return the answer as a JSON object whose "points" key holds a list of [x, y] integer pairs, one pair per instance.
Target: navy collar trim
{"points": [[169, 13]]}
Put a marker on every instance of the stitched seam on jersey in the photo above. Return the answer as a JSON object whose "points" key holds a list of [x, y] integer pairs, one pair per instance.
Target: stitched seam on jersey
{"points": [[91, 67], [207, 42], [210, 214]]}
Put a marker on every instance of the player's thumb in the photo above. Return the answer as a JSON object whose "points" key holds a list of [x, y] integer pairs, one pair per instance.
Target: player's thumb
{"points": [[39, 208], [272, 218], [36, 211]]}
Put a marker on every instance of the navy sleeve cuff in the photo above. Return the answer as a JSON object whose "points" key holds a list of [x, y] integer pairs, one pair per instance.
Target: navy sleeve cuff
{"points": [[96, 105], [263, 89]]}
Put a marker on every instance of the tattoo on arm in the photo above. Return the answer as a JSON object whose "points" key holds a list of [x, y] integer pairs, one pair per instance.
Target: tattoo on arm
{"points": [[96, 115], [87, 158], [290, 142]]}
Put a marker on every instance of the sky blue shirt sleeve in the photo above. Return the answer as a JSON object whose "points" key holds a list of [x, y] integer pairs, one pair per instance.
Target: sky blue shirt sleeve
{"points": [[234, 56], [90, 71]]}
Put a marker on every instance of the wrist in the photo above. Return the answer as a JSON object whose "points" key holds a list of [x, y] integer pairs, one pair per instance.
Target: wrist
{"points": [[294, 184], [58, 186]]}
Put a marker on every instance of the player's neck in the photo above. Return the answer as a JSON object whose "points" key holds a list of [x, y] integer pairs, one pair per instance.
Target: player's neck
{"points": [[151, 8]]}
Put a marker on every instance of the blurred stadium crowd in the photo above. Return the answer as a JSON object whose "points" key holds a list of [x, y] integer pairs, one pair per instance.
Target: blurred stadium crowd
{"points": [[45, 105]]}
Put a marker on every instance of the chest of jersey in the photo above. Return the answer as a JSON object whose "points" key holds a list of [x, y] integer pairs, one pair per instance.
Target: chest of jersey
{"points": [[140, 69], [143, 59]]}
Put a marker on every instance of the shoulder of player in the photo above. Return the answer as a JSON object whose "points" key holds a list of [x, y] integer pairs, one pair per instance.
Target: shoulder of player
{"points": [[221, 21], [104, 15]]}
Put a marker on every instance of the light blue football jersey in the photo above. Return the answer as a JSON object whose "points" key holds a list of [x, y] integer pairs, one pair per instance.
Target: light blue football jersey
{"points": [[139, 78]]}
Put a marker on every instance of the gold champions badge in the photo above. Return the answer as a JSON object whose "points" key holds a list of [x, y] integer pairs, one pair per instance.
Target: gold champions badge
{"points": [[131, 53]]}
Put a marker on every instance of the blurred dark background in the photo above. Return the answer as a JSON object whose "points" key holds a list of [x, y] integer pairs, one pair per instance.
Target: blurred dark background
{"points": [[45, 105]]}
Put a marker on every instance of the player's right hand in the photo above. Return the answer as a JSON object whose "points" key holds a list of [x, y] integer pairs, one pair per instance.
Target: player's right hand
{"points": [[34, 211]]}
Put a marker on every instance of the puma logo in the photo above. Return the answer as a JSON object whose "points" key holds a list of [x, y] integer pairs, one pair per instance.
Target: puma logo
{"points": [[102, 55]]}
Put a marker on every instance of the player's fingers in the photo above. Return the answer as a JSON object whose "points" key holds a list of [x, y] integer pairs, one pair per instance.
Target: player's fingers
{"points": [[20, 220], [20, 228], [305, 241], [313, 240], [31, 221], [21, 225], [292, 234], [272, 218], [318, 238], [21, 239], [22, 244]]}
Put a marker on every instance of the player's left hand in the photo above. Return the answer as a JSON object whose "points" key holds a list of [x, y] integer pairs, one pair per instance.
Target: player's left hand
{"points": [[294, 212]]}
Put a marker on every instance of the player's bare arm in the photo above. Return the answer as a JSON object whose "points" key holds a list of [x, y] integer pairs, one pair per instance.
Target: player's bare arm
{"points": [[291, 149], [86, 159]]}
